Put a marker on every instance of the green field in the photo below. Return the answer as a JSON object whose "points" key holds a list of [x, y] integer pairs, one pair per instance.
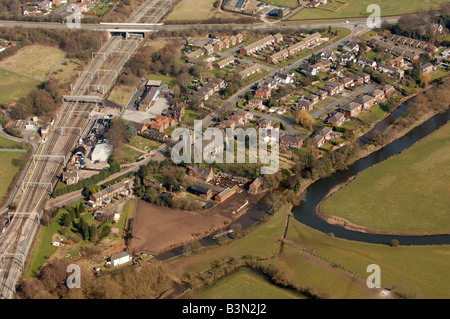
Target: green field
{"points": [[14, 86], [329, 267], [406, 194], [358, 8], [245, 284], [35, 61], [144, 144], [195, 10], [8, 170], [165, 79], [283, 3]]}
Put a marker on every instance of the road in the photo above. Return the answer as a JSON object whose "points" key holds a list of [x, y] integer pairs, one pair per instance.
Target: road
{"points": [[233, 27]]}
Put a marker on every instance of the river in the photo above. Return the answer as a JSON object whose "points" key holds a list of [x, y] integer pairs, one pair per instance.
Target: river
{"points": [[316, 192]]}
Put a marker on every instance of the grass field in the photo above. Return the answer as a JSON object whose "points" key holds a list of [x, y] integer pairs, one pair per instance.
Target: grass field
{"points": [[405, 194], [283, 3], [35, 61], [330, 267], [358, 8], [14, 86], [7, 143], [165, 79], [8, 170], [245, 284], [194, 10], [66, 70]]}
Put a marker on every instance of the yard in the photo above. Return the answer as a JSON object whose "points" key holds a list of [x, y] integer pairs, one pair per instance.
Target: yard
{"points": [[398, 202], [144, 144]]}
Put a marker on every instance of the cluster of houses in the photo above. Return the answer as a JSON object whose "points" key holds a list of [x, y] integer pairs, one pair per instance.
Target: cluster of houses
{"points": [[308, 101], [216, 45], [366, 101], [294, 48], [425, 46], [105, 196], [155, 128], [213, 85]]}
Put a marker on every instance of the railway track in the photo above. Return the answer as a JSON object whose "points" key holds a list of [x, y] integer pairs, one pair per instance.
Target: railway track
{"points": [[71, 121]]}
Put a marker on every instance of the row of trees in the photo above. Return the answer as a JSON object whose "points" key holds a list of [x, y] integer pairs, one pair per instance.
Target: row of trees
{"points": [[149, 283]]}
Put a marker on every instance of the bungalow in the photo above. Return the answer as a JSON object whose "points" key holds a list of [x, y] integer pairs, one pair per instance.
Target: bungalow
{"points": [[351, 47], [227, 123], [156, 135], [284, 77], [351, 109], [120, 259], [366, 63]]}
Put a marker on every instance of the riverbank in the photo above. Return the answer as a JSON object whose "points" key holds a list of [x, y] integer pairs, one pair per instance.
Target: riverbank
{"points": [[404, 195]]}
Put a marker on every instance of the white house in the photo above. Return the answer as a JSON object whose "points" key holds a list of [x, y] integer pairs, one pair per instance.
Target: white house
{"points": [[121, 258]]}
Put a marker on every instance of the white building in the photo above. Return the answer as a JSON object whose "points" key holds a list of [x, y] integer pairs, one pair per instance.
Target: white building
{"points": [[101, 152], [121, 258]]}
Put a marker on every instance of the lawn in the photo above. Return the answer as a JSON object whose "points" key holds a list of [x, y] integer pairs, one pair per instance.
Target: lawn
{"points": [[405, 194], [245, 284], [35, 61], [121, 93], [7, 143], [8, 170], [43, 248], [358, 8], [14, 86], [171, 81], [127, 155], [144, 144]]}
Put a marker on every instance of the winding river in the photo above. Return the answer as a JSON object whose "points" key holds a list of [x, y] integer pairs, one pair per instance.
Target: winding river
{"points": [[316, 192]]}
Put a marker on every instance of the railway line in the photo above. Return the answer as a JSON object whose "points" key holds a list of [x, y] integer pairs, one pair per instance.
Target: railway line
{"points": [[71, 122]]}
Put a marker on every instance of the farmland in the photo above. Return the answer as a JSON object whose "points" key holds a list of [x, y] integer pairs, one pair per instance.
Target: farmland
{"points": [[14, 86], [391, 197], [196, 10], [34, 61], [358, 8], [9, 168], [329, 267]]}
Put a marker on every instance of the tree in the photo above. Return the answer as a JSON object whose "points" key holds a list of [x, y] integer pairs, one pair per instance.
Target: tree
{"points": [[93, 233], [67, 221], [304, 119]]}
